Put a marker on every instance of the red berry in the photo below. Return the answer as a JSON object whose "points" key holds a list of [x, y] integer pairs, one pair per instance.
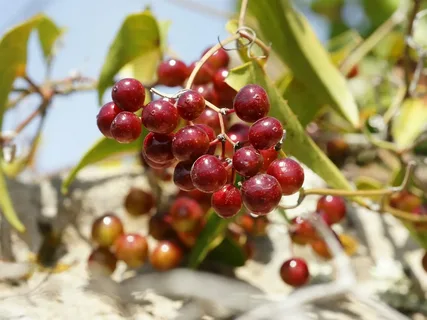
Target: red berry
{"points": [[204, 75], [238, 132], [265, 133], [126, 127], [289, 173], [159, 227], [185, 214], [247, 161], [211, 135], [261, 194], [158, 147], [405, 201], [190, 105], [218, 60], [354, 72], [321, 249], [172, 73], [269, 155], [256, 227], [294, 272], [226, 92], [166, 255], [211, 119], [156, 165], [129, 94], [182, 177], [302, 231], [106, 229], [209, 174], [132, 249], [188, 239], [251, 103], [208, 92], [227, 201], [138, 202], [105, 117], [160, 116], [102, 261], [190, 143], [333, 206]]}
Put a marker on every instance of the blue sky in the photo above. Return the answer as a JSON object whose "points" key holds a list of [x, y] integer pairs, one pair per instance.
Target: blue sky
{"points": [[91, 25]]}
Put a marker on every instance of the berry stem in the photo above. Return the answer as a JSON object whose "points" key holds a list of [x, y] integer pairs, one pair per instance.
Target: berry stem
{"points": [[282, 153], [243, 13], [213, 107]]}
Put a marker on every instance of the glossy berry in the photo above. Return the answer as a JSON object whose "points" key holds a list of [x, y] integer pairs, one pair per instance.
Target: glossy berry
{"points": [[105, 117], [185, 214], [261, 194], [219, 59], [238, 132], [333, 206], [302, 231], [106, 229], [190, 105], [204, 75], [251, 103], [265, 133], [166, 255], [268, 155], [289, 173], [294, 272], [128, 94], [160, 227], [190, 143], [102, 262], [182, 177], [211, 119], [138, 202], [160, 116], [158, 147], [227, 201], [211, 135], [172, 73], [204, 199], [208, 92], [209, 174], [226, 92], [126, 127], [247, 161], [156, 165], [132, 249]]}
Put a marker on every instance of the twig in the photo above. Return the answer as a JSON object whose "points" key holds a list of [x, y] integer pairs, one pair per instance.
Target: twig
{"points": [[242, 15]]}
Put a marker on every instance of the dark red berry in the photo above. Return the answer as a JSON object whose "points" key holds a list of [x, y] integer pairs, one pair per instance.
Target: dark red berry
{"points": [[227, 201], [405, 201], [337, 150], [138, 202], [261, 194], [265, 133], [156, 165], [251, 103], [129, 94], [238, 132], [185, 214], [424, 262], [289, 173], [172, 73], [302, 231], [208, 92], [211, 135], [209, 174], [132, 249], [190, 143], [269, 155], [158, 147], [160, 227], [294, 272], [247, 161], [204, 199], [166, 255], [204, 75], [105, 117], [102, 261], [126, 127], [182, 177], [333, 206], [218, 60], [160, 116], [226, 92], [106, 229], [188, 239], [211, 119], [354, 72], [190, 105]]}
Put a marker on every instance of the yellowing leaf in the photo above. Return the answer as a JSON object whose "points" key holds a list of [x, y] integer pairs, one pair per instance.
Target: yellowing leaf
{"points": [[349, 243], [409, 123]]}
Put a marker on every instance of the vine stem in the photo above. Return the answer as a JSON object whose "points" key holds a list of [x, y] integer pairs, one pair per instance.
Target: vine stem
{"points": [[242, 15]]}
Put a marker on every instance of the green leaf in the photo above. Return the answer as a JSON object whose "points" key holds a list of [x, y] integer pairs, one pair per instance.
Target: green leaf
{"points": [[228, 252], [409, 123], [49, 33], [101, 150], [214, 228], [341, 46], [297, 45], [297, 142], [138, 37], [7, 206]]}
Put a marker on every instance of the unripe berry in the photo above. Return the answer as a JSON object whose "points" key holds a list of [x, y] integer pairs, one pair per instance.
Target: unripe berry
{"points": [[227, 201], [172, 73], [166, 255], [209, 174], [294, 272], [132, 249], [129, 94], [106, 229], [126, 127], [289, 173], [160, 116], [265, 133], [138, 202], [102, 262], [105, 117], [251, 103]]}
